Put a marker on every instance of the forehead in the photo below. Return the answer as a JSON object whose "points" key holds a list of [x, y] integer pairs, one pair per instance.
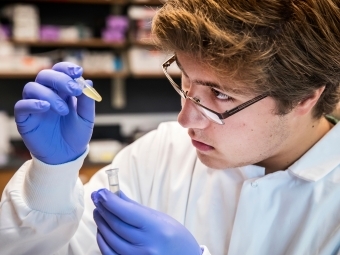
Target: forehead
{"points": [[199, 72]]}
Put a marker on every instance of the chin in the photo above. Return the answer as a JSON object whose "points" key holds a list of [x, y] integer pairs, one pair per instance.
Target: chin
{"points": [[218, 163], [213, 162]]}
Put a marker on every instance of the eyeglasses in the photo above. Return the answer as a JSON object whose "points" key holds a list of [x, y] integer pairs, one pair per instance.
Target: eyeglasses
{"points": [[210, 114]]}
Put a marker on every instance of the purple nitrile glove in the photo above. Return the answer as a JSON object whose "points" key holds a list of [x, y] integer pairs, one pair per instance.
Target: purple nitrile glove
{"points": [[126, 227], [54, 118]]}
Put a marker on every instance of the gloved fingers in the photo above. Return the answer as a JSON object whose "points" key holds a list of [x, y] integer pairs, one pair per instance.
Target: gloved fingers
{"points": [[59, 82], [72, 106], [127, 232], [72, 119], [69, 68], [124, 210], [23, 111], [126, 198], [33, 90], [24, 108], [86, 106], [110, 238], [103, 247]]}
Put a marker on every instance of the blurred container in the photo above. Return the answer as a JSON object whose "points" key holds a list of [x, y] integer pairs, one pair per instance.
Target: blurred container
{"points": [[104, 151], [4, 138], [6, 49], [98, 61], [26, 22], [149, 62], [111, 35], [120, 23], [16, 58], [116, 29], [49, 33], [141, 18], [69, 33], [4, 32], [24, 64]]}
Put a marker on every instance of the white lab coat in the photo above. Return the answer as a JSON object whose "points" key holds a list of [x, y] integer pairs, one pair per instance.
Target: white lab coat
{"points": [[237, 211]]}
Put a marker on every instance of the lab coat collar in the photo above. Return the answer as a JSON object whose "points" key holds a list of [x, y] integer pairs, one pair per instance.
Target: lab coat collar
{"points": [[321, 159]]}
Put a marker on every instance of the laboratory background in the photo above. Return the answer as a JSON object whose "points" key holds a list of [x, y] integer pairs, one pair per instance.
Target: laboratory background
{"points": [[111, 40]]}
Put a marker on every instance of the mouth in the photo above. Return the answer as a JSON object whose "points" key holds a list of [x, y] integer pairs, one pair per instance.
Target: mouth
{"points": [[201, 146]]}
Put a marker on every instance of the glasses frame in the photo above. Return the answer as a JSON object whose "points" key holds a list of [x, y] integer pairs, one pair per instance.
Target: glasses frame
{"points": [[223, 115]]}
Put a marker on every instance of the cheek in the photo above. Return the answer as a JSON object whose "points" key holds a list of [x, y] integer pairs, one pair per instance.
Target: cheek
{"points": [[243, 134], [256, 137], [254, 122]]}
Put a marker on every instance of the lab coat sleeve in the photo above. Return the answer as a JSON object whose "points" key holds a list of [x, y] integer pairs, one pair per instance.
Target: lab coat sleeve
{"points": [[41, 208]]}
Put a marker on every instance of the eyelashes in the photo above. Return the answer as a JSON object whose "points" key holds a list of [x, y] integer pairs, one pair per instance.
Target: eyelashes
{"points": [[221, 96]]}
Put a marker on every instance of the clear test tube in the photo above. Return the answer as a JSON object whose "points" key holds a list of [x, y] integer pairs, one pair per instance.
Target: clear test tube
{"points": [[88, 90], [112, 175]]}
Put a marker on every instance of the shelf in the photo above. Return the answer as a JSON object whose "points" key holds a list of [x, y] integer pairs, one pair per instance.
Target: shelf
{"points": [[144, 43], [120, 2], [153, 76], [95, 43], [87, 75], [147, 2], [111, 2], [91, 75], [89, 43]]}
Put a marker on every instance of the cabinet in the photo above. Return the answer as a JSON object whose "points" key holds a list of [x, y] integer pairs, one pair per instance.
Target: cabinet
{"points": [[125, 94], [114, 84]]}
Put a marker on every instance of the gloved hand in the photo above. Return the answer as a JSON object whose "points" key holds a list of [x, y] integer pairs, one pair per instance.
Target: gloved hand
{"points": [[126, 227], [55, 125]]}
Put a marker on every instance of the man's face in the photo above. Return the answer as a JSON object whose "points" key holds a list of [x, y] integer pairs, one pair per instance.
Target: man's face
{"points": [[254, 135]]}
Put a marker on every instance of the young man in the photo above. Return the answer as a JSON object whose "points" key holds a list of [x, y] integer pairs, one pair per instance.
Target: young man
{"points": [[251, 167]]}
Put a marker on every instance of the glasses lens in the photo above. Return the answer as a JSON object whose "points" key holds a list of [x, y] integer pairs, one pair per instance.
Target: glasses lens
{"points": [[179, 91], [210, 115]]}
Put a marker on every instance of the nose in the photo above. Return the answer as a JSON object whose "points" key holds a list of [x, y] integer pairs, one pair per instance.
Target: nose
{"points": [[190, 116]]}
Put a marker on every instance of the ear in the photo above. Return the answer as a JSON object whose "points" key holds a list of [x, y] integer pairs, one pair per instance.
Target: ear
{"points": [[306, 105]]}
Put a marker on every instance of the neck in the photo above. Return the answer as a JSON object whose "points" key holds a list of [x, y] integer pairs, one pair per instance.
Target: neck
{"points": [[305, 136]]}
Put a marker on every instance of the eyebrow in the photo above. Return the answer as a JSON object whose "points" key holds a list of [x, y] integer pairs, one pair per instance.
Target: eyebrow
{"points": [[211, 84], [199, 82]]}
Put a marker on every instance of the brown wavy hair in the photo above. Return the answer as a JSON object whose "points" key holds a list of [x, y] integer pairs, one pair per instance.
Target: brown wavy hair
{"points": [[287, 48]]}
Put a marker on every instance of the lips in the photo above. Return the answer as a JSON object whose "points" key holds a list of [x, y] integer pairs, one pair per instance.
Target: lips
{"points": [[201, 146]]}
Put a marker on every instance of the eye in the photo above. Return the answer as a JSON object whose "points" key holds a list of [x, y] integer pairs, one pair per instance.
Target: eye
{"points": [[220, 95]]}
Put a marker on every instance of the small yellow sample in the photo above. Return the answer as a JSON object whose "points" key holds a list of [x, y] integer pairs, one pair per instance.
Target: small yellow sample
{"points": [[88, 90]]}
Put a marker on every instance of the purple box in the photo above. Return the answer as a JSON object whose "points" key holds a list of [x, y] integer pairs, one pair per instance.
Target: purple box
{"points": [[49, 33], [120, 23], [112, 35], [5, 32]]}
